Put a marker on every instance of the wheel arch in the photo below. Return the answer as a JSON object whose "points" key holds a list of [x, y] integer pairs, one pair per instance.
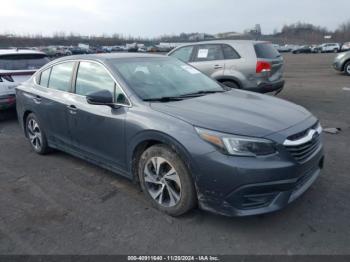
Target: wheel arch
{"points": [[24, 120], [230, 78], [147, 139]]}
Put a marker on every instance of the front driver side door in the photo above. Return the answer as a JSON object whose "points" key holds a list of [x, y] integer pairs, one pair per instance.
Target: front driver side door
{"points": [[97, 131]]}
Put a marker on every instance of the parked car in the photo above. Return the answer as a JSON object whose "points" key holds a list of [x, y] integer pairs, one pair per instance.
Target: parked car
{"points": [[16, 66], [117, 49], [314, 48], [284, 49], [305, 49], [78, 50], [142, 49], [250, 65], [345, 47], [329, 48], [153, 49], [342, 63], [63, 51], [49, 51], [180, 134]]}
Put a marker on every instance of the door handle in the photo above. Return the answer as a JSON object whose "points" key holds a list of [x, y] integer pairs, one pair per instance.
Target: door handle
{"points": [[218, 66], [72, 109], [37, 99]]}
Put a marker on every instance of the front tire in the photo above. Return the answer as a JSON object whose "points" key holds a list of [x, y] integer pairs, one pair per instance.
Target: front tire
{"points": [[347, 68], [36, 135], [166, 181]]}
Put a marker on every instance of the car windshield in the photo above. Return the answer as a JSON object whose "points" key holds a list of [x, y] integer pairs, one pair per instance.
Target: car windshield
{"points": [[156, 78], [23, 61]]}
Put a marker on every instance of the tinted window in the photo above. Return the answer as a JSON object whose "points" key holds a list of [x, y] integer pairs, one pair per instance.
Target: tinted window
{"points": [[229, 52], [209, 53], [23, 61], [60, 76], [44, 77], [184, 53], [93, 77], [265, 50], [162, 77]]}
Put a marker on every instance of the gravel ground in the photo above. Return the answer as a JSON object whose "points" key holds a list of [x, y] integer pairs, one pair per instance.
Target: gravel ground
{"points": [[58, 204]]}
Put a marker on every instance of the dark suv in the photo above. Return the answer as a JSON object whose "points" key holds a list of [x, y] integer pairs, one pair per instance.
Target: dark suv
{"points": [[250, 65]]}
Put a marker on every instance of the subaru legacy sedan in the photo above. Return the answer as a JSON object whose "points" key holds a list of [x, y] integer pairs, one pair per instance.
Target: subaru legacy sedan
{"points": [[182, 136]]}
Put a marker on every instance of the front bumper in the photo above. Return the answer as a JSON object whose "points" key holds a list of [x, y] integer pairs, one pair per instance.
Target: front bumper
{"points": [[235, 186], [337, 66], [7, 101], [267, 87]]}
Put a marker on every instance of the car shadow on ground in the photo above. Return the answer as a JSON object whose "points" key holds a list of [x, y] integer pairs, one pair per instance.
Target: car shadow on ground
{"points": [[8, 115]]}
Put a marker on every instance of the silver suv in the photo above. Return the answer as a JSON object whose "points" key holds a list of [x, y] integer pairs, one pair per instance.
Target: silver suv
{"points": [[250, 65]]}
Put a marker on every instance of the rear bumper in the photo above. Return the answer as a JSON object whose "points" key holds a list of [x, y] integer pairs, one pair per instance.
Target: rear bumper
{"points": [[268, 87], [7, 101]]}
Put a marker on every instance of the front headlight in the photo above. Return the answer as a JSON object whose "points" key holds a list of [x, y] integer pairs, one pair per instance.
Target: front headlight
{"points": [[237, 145]]}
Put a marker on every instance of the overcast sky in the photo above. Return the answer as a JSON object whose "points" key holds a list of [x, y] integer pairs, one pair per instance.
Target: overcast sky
{"points": [[151, 18]]}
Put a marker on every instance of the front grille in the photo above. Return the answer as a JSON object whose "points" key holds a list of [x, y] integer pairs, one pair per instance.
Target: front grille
{"points": [[303, 133], [303, 151]]}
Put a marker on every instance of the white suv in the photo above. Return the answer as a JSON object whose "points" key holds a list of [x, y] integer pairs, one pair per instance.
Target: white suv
{"points": [[329, 47], [16, 66]]}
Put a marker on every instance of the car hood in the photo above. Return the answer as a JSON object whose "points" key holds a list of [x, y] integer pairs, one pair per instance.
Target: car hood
{"points": [[236, 112]]}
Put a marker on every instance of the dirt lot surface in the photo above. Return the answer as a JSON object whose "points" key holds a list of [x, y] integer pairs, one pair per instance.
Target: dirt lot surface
{"points": [[58, 204]]}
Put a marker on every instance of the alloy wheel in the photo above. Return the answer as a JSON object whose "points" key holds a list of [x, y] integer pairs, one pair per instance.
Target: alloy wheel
{"points": [[348, 69], [162, 182], [34, 134]]}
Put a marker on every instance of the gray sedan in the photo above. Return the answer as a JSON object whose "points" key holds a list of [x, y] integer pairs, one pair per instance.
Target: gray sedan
{"points": [[185, 138]]}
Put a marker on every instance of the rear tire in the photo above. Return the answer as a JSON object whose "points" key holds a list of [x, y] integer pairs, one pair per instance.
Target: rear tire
{"points": [[36, 135], [347, 68], [166, 181], [231, 84]]}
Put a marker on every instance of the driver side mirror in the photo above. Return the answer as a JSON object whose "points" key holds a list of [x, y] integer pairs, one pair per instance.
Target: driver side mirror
{"points": [[102, 97]]}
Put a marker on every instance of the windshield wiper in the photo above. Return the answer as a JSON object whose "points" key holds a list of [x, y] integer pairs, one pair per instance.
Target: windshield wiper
{"points": [[199, 93], [164, 99], [181, 97]]}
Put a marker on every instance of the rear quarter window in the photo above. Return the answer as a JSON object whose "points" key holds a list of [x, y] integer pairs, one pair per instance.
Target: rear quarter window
{"points": [[266, 50], [44, 77], [23, 61]]}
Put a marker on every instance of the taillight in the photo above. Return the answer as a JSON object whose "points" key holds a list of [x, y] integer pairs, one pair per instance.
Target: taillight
{"points": [[262, 66]]}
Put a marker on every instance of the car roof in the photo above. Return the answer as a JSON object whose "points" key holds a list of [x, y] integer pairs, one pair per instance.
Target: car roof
{"points": [[15, 51], [108, 56], [235, 42]]}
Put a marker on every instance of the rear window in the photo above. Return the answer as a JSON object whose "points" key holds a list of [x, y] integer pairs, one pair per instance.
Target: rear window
{"points": [[267, 51], [23, 61]]}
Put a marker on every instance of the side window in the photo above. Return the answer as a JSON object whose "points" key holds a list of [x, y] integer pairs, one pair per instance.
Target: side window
{"points": [[184, 53], [209, 53], [229, 52], [44, 77], [61, 76], [93, 77]]}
